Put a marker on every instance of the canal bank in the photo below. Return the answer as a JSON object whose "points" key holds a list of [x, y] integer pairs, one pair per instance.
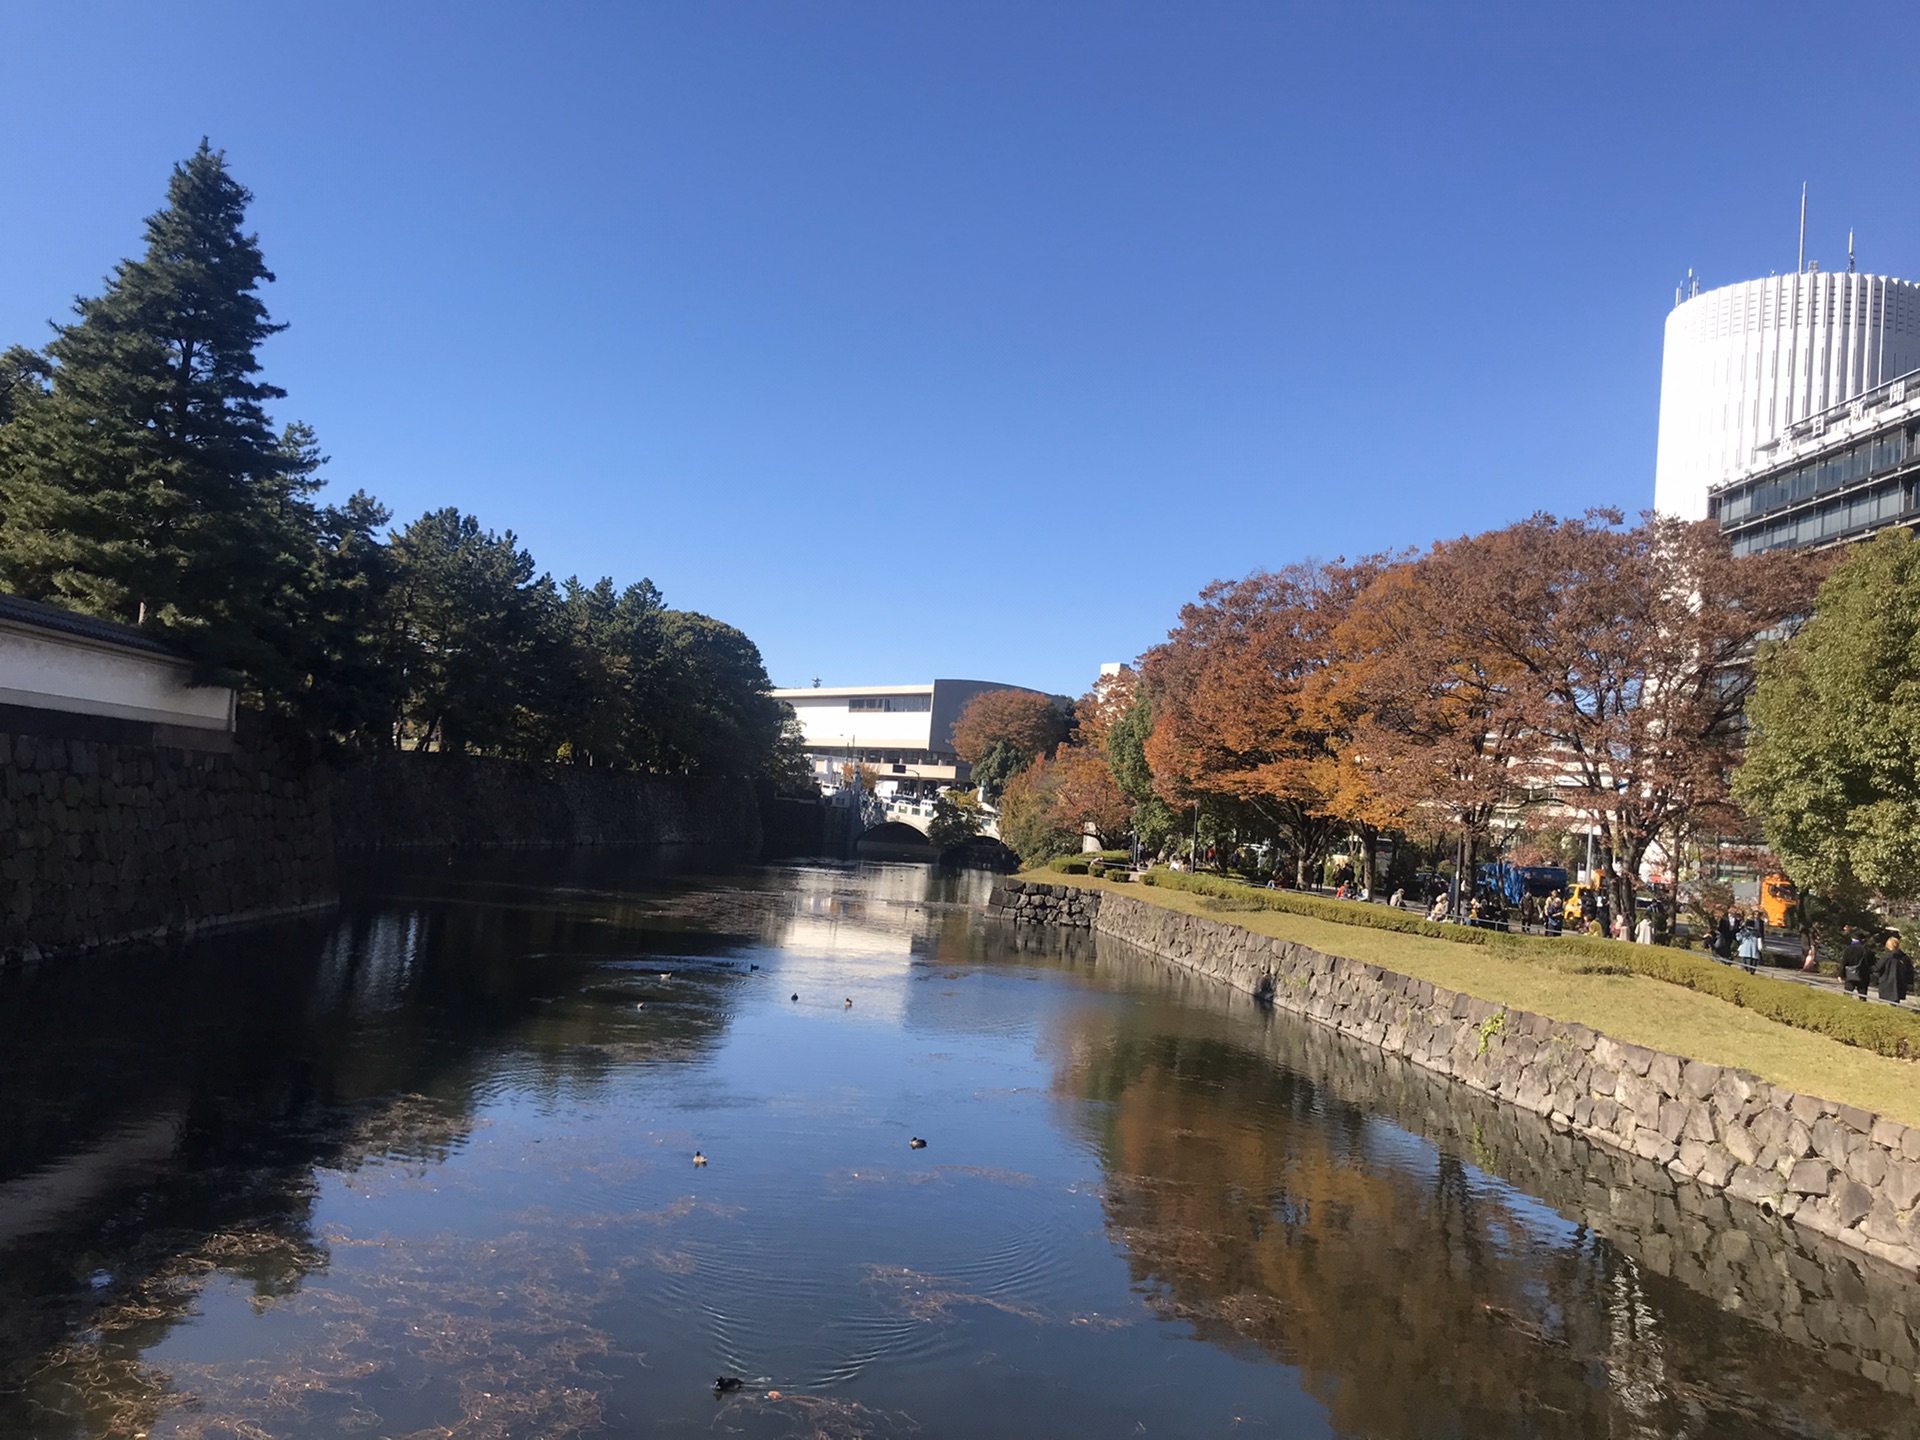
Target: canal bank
{"points": [[112, 838], [1836, 1170]]}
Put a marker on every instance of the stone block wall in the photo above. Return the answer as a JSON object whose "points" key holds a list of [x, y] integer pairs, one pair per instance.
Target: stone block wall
{"points": [[113, 840], [406, 801], [1024, 902], [1862, 1312], [104, 842], [1835, 1170]]}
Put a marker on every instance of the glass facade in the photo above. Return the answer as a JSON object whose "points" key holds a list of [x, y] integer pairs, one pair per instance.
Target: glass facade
{"points": [[1865, 483], [1815, 477]]}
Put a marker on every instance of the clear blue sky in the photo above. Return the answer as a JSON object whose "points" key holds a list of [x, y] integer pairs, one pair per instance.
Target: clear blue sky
{"points": [[969, 339]]}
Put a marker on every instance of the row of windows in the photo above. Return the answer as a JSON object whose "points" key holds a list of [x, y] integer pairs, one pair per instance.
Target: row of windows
{"points": [[1819, 477], [826, 763], [893, 704], [1831, 521]]}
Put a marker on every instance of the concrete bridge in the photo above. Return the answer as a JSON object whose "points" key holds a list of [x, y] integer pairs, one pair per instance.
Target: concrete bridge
{"points": [[904, 824]]}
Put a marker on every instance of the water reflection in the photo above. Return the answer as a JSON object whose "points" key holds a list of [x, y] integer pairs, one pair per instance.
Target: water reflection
{"points": [[1273, 1184], [423, 1170]]}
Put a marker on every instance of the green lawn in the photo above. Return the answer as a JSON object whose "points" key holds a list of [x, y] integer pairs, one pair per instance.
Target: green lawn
{"points": [[1633, 1008]]}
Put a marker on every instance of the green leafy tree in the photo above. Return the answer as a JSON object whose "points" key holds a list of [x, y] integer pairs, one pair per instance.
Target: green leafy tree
{"points": [[346, 636], [711, 713], [789, 768], [24, 375], [147, 485], [595, 667], [1030, 823], [1832, 769], [957, 818], [1154, 821], [470, 608]]}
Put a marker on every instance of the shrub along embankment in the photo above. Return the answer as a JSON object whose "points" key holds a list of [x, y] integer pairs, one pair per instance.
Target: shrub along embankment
{"points": [[1879, 1028], [1706, 1089]]}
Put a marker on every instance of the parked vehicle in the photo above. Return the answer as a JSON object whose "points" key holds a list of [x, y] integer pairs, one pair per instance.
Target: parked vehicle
{"points": [[1779, 902], [1513, 883]]}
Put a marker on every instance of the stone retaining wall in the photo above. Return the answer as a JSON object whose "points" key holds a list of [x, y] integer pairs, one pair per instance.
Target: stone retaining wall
{"points": [[1835, 1170], [1862, 1312], [106, 841], [103, 842], [401, 800], [1026, 903]]}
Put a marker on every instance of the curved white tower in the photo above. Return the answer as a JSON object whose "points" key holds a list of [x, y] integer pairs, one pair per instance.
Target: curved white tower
{"points": [[1745, 361]]}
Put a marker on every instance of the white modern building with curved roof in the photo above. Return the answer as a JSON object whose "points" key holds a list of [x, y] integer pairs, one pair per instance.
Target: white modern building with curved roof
{"points": [[902, 732], [1745, 362]]}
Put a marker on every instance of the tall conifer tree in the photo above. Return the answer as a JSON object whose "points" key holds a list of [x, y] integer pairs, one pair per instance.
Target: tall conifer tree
{"points": [[148, 485]]}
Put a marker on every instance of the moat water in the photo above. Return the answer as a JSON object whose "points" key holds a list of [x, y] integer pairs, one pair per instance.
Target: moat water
{"points": [[425, 1168]]}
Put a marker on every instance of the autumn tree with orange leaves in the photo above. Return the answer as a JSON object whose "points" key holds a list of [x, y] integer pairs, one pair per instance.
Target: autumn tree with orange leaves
{"points": [[1001, 732], [1434, 718], [1580, 665], [1627, 655], [1235, 710], [1086, 797]]}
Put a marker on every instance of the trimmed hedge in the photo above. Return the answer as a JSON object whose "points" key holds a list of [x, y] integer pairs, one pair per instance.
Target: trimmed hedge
{"points": [[1068, 865], [1879, 1028]]}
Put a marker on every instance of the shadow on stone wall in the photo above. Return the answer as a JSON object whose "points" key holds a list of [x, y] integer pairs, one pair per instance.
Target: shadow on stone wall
{"points": [[405, 801]]}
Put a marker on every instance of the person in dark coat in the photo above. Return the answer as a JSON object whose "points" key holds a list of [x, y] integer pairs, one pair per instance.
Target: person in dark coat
{"points": [[1723, 937], [1856, 963], [1893, 976]]}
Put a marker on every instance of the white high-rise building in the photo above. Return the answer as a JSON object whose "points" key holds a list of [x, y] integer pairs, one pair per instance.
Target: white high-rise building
{"points": [[1745, 361]]}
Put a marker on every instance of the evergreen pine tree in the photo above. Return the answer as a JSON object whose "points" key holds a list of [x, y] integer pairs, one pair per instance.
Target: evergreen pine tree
{"points": [[148, 486]]}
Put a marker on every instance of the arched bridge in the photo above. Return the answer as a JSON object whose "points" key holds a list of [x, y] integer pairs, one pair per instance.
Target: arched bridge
{"points": [[917, 815]]}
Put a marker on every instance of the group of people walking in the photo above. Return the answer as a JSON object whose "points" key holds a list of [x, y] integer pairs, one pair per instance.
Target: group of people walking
{"points": [[1888, 971], [1868, 964]]}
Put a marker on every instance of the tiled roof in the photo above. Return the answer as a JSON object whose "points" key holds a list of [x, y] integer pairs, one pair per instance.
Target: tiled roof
{"points": [[71, 622]]}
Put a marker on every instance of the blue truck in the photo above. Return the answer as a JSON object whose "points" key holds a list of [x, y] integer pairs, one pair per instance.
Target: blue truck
{"points": [[1512, 883]]}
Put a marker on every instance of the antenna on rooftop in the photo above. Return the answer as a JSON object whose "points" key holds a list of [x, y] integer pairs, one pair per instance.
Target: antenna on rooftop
{"points": [[1850, 252], [1803, 227]]}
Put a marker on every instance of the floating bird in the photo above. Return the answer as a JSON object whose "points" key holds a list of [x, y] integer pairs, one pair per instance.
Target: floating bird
{"points": [[699, 1159], [726, 1383], [639, 1004], [794, 996], [849, 1003], [666, 974], [916, 1143], [753, 967]]}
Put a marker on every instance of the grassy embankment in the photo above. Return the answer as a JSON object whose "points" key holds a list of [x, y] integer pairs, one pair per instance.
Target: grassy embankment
{"points": [[1635, 1008]]}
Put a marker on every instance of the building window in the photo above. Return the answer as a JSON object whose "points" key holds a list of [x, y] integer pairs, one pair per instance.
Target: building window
{"points": [[891, 704]]}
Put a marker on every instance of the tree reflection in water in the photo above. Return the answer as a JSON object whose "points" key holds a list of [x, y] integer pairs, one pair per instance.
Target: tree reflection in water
{"points": [[1273, 1194], [419, 1171]]}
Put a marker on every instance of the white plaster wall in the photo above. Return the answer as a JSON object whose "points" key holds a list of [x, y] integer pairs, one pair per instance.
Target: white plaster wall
{"points": [[49, 671], [827, 721]]}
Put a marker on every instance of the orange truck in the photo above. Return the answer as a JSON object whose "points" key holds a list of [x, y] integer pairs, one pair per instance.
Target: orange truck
{"points": [[1779, 902]]}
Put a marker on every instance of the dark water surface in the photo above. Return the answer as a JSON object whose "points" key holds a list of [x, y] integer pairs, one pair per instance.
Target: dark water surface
{"points": [[425, 1169]]}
